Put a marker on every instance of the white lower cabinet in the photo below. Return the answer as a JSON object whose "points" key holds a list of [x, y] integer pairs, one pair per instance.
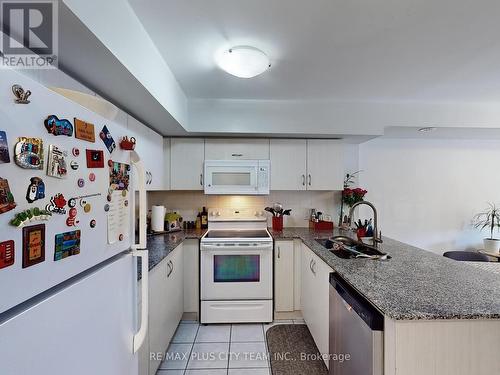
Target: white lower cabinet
{"points": [[166, 305], [315, 282], [283, 276]]}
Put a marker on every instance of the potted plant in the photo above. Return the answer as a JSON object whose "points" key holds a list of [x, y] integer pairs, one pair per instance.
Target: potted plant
{"points": [[490, 219]]}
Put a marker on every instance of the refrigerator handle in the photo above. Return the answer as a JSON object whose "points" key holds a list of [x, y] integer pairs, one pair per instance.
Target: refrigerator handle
{"points": [[141, 187], [140, 336]]}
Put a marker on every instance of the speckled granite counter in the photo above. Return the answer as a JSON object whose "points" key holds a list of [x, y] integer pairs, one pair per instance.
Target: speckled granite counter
{"points": [[414, 284], [160, 245]]}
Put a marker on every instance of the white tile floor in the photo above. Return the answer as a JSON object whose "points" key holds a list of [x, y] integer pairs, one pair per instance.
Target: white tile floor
{"points": [[220, 349]]}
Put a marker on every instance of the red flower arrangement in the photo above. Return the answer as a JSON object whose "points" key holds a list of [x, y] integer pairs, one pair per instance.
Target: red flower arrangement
{"points": [[352, 196]]}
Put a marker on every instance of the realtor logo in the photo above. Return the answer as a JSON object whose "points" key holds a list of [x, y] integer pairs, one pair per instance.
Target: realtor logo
{"points": [[29, 34]]}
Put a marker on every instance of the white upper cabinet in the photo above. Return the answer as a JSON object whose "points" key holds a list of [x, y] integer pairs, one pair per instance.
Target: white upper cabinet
{"points": [[288, 164], [236, 149], [166, 163], [149, 146], [186, 163], [325, 164]]}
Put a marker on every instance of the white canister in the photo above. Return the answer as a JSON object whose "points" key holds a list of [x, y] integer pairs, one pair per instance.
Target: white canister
{"points": [[158, 218]]}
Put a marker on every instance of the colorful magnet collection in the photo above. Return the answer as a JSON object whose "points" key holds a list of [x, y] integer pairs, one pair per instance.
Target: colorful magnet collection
{"points": [[7, 253], [28, 153], [108, 140], [56, 126], [33, 245], [67, 244]]}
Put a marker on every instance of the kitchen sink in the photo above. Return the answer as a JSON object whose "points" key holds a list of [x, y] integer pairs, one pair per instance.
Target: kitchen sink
{"points": [[350, 248]]}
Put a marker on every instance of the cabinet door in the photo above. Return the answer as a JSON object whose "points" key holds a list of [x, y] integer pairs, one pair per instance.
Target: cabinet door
{"points": [[288, 164], [236, 149], [186, 163], [190, 253], [325, 164], [175, 293], [283, 276], [149, 146], [315, 298], [166, 163], [157, 314]]}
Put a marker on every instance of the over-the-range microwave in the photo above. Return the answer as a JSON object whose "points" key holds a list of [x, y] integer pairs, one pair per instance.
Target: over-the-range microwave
{"points": [[245, 177]]}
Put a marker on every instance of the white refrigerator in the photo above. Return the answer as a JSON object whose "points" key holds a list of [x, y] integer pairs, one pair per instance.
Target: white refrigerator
{"points": [[68, 281]]}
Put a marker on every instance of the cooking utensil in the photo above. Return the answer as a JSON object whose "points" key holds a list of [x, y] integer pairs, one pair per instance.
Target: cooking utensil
{"points": [[271, 210], [286, 212], [278, 208]]}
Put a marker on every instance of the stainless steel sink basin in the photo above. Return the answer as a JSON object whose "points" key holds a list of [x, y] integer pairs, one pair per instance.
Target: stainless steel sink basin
{"points": [[348, 248]]}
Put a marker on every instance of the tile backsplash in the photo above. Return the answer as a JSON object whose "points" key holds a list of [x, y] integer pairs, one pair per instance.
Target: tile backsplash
{"points": [[188, 203]]}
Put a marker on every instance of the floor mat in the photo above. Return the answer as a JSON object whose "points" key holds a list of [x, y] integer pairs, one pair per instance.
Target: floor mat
{"points": [[292, 351]]}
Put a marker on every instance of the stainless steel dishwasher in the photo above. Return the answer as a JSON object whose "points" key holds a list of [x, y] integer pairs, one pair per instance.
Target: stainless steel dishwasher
{"points": [[356, 329]]}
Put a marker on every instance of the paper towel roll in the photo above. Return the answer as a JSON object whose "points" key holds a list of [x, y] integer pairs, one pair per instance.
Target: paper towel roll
{"points": [[158, 218]]}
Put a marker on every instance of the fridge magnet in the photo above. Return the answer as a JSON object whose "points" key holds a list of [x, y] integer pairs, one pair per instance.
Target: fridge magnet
{"points": [[93, 223], [87, 208], [71, 220], [92, 177], [4, 148], [7, 202], [106, 207], [28, 153], [6, 253], [81, 182], [57, 204], [57, 126], [56, 163], [127, 144], [107, 139], [72, 202], [27, 216], [84, 130], [119, 176], [74, 165], [67, 244], [33, 245], [36, 190], [21, 95], [75, 151], [95, 158]]}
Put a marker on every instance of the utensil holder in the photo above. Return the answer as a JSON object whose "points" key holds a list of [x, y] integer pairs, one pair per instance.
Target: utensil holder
{"points": [[277, 222]]}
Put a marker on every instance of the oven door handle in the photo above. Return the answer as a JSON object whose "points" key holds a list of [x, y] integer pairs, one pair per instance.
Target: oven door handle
{"points": [[237, 247]]}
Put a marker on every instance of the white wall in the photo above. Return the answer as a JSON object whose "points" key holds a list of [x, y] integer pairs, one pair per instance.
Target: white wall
{"points": [[427, 191], [188, 203]]}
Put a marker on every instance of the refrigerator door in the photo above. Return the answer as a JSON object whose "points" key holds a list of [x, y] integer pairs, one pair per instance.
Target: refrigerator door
{"points": [[83, 328], [28, 121]]}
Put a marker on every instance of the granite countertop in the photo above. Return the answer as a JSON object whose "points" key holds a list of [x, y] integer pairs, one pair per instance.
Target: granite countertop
{"points": [[414, 284], [160, 245]]}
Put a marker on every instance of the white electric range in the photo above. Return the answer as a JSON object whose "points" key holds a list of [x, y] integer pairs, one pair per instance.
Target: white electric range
{"points": [[236, 268]]}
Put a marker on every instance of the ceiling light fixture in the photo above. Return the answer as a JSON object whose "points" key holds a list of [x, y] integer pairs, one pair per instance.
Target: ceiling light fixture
{"points": [[243, 61], [427, 129]]}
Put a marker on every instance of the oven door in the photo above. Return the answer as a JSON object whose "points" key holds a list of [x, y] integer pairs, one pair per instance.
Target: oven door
{"points": [[236, 271]]}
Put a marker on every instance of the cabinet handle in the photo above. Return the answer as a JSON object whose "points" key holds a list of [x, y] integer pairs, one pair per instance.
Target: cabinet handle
{"points": [[201, 179], [303, 180], [151, 178], [312, 267], [309, 180], [170, 268], [279, 252], [237, 155]]}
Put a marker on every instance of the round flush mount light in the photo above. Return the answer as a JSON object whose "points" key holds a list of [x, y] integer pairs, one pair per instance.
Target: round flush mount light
{"points": [[427, 129], [243, 61]]}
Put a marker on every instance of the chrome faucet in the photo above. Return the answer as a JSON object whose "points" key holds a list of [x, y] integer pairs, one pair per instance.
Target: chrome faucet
{"points": [[377, 236]]}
